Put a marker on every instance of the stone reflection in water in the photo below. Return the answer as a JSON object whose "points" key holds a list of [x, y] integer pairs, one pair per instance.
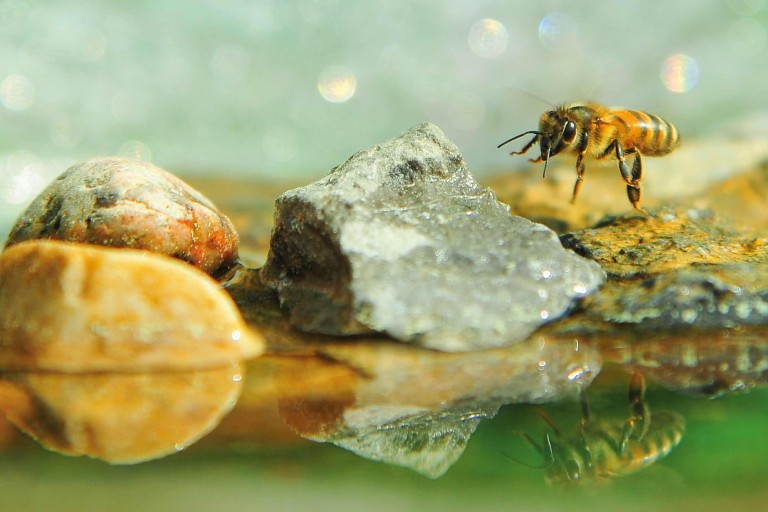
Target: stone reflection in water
{"points": [[709, 364], [418, 408], [601, 448], [119, 418]]}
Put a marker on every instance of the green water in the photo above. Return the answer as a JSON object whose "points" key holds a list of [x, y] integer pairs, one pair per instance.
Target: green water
{"points": [[721, 462]]}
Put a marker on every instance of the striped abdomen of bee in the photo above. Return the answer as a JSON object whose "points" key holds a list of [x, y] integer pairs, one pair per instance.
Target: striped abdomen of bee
{"points": [[595, 455], [597, 131], [649, 134], [606, 458]]}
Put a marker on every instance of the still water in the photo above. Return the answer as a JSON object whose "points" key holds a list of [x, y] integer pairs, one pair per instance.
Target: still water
{"points": [[263, 454]]}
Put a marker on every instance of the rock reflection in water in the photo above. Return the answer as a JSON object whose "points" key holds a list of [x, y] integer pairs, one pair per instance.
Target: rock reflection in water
{"points": [[119, 418], [709, 363], [418, 408]]}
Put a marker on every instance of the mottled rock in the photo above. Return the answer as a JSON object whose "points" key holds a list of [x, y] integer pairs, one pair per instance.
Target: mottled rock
{"points": [[126, 203], [401, 239], [710, 297], [686, 302], [635, 245], [119, 418], [75, 308]]}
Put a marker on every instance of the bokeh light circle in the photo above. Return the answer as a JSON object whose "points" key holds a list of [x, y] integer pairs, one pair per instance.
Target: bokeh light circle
{"points": [[17, 92], [488, 38], [680, 73], [558, 31], [337, 84]]}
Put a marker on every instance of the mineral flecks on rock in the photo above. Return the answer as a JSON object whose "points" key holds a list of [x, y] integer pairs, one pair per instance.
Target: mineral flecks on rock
{"points": [[81, 308], [401, 239], [125, 203], [634, 245], [676, 270], [715, 297]]}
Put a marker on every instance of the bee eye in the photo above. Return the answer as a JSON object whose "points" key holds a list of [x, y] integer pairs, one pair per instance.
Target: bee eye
{"points": [[569, 132]]}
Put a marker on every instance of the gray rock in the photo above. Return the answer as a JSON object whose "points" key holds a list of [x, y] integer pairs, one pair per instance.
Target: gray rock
{"points": [[710, 297], [401, 239]]}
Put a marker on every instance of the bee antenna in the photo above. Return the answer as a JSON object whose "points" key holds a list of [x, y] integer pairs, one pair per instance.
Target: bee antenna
{"points": [[518, 136], [531, 95], [525, 464]]}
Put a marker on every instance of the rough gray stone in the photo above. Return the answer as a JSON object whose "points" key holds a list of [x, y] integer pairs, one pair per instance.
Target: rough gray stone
{"points": [[401, 239], [709, 297]]}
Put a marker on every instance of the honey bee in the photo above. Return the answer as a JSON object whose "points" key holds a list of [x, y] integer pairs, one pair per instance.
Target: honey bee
{"points": [[603, 449], [594, 130]]}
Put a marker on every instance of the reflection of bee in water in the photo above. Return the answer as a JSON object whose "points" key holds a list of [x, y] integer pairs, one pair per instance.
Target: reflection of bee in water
{"points": [[602, 449], [595, 130]]}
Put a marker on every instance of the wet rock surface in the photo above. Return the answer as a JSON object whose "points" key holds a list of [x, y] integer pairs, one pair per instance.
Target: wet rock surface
{"points": [[401, 239], [76, 308], [723, 296], [124, 203], [675, 270]]}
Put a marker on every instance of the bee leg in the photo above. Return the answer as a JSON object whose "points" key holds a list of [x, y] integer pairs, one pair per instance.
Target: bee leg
{"points": [[580, 167], [585, 417], [631, 178], [633, 181], [623, 169], [639, 422], [530, 440], [526, 147]]}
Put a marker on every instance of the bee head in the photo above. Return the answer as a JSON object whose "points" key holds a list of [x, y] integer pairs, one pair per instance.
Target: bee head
{"points": [[557, 133], [564, 466]]}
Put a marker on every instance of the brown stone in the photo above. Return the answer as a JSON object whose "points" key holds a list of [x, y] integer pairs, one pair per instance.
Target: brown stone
{"points": [[125, 203], [74, 307]]}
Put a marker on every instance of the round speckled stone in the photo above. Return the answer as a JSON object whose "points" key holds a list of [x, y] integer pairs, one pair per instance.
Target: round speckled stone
{"points": [[126, 203]]}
